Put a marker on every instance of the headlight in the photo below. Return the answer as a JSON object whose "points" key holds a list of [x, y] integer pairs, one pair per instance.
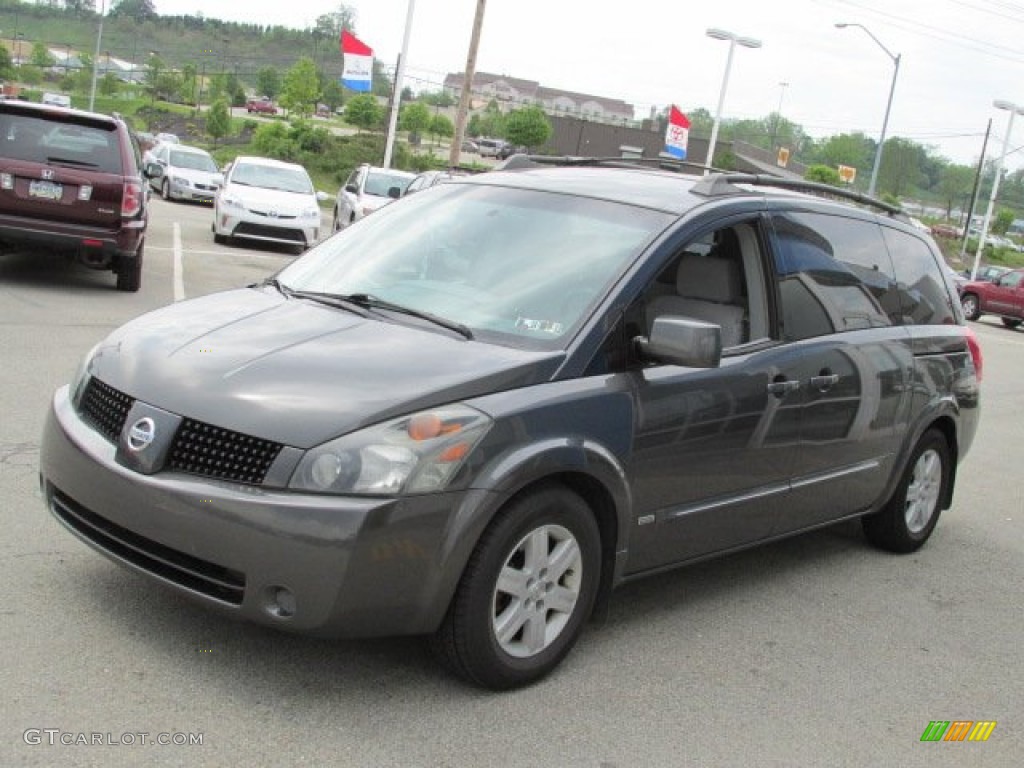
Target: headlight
{"points": [[413, 454], [311, 213], [81, 377], [229, 201], [178, 181]]}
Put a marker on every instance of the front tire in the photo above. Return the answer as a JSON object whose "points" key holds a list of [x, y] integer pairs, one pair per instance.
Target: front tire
{"points": [[971, 305], [909, 517], [526, 592], [165, 190]]}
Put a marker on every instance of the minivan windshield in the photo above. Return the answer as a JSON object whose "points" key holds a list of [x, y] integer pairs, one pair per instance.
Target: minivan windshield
{"points": [[512, 265]]}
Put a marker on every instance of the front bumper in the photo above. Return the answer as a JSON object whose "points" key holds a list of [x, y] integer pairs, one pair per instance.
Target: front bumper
{"points": [[253, 226], [326, 565]]}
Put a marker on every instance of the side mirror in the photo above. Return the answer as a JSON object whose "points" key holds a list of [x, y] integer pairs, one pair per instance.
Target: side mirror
{"points": [[682, 341], [321, 196], [394, 192], [352, 188], [153, 170]]}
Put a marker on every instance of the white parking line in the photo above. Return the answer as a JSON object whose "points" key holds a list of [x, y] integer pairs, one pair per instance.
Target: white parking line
{"points": [[179, 279]]}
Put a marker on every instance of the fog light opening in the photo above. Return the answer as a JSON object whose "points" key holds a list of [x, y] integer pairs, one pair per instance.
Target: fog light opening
{"points": [[279, 602]]}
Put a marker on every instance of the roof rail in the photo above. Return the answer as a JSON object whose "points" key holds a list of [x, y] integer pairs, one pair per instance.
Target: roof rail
{"points": [[517, 162], [723, 184]]}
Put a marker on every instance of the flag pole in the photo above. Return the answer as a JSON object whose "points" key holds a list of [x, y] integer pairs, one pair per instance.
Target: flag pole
{"points": [[396, 100]]}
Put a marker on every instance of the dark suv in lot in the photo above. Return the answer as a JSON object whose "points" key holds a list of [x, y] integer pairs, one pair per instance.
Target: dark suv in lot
{"points": [[474, 413], [71, 181]]}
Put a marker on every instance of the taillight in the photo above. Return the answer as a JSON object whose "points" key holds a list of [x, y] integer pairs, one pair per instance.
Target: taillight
{"points": [[975, 348], [131, 199]]}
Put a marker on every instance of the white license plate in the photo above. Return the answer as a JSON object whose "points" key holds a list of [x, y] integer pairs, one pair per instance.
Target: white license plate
{"points": [[46, 190]]}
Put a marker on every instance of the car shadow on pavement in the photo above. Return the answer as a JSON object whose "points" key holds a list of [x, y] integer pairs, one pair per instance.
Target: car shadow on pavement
{"points": [[280, 667], [45, 269]]}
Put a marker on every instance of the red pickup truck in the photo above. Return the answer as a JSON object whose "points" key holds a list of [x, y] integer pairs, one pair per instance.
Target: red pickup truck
{"points": [[1003, 297], [265, 106]]}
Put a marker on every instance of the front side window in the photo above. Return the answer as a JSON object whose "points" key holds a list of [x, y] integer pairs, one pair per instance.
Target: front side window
{"points": [[835, 275], [520, 266]]}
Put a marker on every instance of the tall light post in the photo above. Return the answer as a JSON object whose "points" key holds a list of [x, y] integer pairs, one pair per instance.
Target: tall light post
{"points": [[734, 40], [892, 89], [96, 57], [778, 113], [1014, 110]]}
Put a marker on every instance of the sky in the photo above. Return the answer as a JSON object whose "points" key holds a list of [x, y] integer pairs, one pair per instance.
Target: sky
{"points": [[956, 57]]}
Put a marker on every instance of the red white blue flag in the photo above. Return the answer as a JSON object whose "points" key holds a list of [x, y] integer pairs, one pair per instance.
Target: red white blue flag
{"points": [[677, 133], [357, 70]]}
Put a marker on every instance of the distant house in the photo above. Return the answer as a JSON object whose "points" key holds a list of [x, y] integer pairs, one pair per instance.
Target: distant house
{"points": [[513, 92]]}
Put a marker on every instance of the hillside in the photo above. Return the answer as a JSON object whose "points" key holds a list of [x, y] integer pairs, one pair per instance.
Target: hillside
{"points": [[209, 44]]}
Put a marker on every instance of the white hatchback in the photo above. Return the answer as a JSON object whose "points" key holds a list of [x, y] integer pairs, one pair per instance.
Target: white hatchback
{"points": [[268, 200]]}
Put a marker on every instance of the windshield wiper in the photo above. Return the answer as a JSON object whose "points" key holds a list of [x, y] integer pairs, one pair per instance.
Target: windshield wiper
{"points": [[330, 299], [372, 302], [273, 282], [70, 161]]}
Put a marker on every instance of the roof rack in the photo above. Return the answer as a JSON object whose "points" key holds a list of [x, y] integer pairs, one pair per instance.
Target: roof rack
{"points": [[724, 184], [518, 162]]}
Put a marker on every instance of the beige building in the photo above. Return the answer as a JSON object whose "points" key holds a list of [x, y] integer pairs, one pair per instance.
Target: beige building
{"points": [[512, 92]]}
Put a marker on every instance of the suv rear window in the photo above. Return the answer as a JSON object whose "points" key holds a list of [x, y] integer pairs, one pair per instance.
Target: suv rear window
{"points": [[75, 144]]}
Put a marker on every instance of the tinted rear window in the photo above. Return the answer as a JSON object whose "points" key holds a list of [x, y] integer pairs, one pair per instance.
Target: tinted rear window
{"points": [[73, 144]]}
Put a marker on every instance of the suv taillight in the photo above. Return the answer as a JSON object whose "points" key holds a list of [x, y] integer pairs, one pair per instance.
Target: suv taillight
{"points": [[975, 348], [131, 200]]}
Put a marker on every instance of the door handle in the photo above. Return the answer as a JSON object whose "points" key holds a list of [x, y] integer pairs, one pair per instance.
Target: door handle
{"points": [[780, 387], [824, 381]]}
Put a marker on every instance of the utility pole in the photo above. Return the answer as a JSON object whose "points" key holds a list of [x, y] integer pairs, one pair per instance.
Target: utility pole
{"points": [[974, 194], [467, 85]]}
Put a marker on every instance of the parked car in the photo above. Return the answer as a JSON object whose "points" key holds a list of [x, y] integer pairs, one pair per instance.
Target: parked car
{"points": [[71, 181], [262, 106], [367, 189], [475, 413], [987, 272], [56, 100], [267, 200], [489, 147], [1003, 297], [180, 172], [946, 230], [469, 146], [431, 178], [167, 138]]}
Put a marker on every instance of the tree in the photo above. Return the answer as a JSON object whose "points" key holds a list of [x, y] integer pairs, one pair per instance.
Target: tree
{"points": [[268, 82], [301, 89], [900, 171], [823, 174], [528, 127], [414, 118], [6, 63], [329, 25], [141, 10], [110, 85], [218, 121], [955, 185], [332, 94], [441, 125], [41, 56], [1003, 221], [853, 149], [151, 78], [364, 112], [381, 80], [189, 84], [438, 99]]}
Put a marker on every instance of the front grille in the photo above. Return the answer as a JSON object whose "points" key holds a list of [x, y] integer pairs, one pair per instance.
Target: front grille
{"points": [[185, 570], [105, 408], [198, 448], [261, 230], [203, 449]]}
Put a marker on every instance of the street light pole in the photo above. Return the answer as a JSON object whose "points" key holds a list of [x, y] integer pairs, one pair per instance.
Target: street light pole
{"points": [[96, 57], [734, 40], [396, 101], [888, 106], [1014, 110]]}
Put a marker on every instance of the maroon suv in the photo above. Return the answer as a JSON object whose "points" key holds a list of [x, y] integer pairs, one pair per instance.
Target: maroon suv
{"points": [[1003, 297], [71, 181]]}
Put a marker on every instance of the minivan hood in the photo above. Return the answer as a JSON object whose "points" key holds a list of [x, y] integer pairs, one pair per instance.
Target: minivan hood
{"points": [[297, 372]]}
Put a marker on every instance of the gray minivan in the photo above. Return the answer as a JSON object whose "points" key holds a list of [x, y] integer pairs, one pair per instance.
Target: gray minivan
{"points": [[473, 414]]}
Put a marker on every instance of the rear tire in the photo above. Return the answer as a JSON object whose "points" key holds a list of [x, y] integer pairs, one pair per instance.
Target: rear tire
{"points": [[910, 516], [129, 272], [1011, 323], [165, 190], [526, 592], [971, 305]]}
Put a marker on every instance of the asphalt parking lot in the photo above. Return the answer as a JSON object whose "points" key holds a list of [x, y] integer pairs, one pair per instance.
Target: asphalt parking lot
{"points": [[817, 651]]}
